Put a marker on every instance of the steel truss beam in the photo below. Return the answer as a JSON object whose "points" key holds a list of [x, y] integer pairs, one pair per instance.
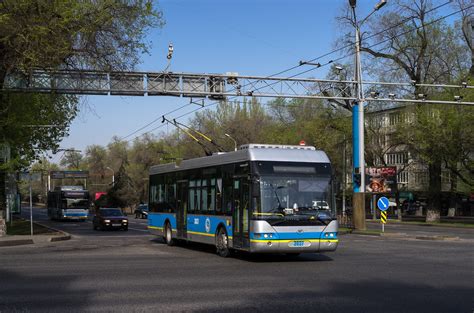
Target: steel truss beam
{"points": [[211, 86]]}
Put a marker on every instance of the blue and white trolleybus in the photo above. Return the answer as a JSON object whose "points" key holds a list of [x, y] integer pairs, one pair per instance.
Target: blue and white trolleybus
{"points": [[68, 202], [261, 198]]}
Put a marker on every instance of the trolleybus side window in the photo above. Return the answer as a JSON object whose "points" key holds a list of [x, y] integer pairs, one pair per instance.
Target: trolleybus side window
{"points": [[212, 196], [219, 193], [204, 199]]}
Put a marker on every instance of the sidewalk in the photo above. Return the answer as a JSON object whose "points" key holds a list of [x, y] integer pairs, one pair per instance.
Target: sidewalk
{"points": [[395, 229]]}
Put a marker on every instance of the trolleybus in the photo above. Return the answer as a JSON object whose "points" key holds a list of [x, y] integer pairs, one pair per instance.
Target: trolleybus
{"points": [[68, 202], [260, 198]]}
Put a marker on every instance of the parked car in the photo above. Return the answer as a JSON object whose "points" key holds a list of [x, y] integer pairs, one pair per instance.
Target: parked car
{"points": [[109, 218], [141, 211]]}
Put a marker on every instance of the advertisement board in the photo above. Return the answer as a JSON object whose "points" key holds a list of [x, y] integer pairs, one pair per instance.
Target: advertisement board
{"points": [[68, 174], [381, 179]]}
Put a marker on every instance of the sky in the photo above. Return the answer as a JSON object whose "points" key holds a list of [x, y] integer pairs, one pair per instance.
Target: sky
{"points": [[251, 37]]}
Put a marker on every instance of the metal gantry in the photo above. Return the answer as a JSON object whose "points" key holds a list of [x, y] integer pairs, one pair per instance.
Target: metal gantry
{"points": [[210, 86]]}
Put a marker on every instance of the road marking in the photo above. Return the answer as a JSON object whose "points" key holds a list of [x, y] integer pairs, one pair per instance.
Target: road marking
{"points": [[144, 230]]}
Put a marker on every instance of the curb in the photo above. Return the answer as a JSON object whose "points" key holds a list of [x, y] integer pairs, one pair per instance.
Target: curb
{"points": [[423, 224], [15, 242], [442, 238], [64, 236], [407, 237]]}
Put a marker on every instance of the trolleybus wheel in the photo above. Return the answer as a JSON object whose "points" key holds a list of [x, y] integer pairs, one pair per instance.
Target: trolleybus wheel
{"points": [[222, 243], [169, 235]]}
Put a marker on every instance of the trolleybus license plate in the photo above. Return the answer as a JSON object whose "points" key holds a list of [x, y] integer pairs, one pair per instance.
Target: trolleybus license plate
{"points": [[299, 244]]}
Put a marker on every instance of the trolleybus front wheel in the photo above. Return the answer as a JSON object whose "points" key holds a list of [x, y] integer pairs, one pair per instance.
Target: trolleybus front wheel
{"points": [[222, 243], [169, 235]]}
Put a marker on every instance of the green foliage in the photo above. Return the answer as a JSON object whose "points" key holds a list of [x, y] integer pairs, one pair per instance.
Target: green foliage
{"points": [[72, 160], [104, 34], [118, 196], [21, 120]]}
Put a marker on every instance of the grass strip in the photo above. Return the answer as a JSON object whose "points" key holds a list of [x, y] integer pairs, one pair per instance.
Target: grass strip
{"points": [[23, 227]]}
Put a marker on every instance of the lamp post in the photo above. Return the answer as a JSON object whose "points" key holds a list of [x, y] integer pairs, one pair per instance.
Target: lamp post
{"points": [[235, 142], [358, 125], [113, 175]]}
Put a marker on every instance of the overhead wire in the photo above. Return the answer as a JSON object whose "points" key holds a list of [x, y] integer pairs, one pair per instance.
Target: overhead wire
{"points": [[322, 56], [343, 57]]}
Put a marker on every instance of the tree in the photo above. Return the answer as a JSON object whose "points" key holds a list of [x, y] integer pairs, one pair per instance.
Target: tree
{"points": [[72, 160], [416, 44], [101, 35], [119, 194]]}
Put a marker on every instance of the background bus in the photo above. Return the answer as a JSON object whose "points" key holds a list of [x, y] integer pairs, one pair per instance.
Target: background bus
{"points": [[261, 198], [68, 202]]}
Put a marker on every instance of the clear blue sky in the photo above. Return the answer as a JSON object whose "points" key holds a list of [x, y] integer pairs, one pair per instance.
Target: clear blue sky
{"points": [[253, 37]]}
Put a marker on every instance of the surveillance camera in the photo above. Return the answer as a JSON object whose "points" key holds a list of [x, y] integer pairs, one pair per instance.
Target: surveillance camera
{"points": [[170, 51]]}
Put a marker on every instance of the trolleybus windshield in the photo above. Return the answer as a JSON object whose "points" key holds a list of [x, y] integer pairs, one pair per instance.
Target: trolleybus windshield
{"points": [[296, 198], [68, 203]]}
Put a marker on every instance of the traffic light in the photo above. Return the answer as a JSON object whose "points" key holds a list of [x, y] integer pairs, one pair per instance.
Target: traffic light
{"points": [[357, 179]]}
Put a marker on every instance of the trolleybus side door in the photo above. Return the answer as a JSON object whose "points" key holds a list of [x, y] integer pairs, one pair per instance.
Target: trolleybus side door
{"points": [[181, 207], [240, 216]]}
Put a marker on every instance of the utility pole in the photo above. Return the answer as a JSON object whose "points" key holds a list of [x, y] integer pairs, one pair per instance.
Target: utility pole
{"points": [[344, 179], [113, 175], [358, 126]]}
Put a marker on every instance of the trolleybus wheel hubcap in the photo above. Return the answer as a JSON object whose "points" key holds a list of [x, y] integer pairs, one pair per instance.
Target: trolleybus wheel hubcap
{"points": [[168, 233], [222, 242]]}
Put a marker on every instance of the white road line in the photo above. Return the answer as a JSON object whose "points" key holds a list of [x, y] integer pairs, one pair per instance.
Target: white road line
{"points": [[143, 230]]}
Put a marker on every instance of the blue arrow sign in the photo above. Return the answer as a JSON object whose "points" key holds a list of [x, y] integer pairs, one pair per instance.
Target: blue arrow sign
{"points": [[382, 203]]}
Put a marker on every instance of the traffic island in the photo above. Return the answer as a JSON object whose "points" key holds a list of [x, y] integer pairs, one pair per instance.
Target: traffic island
{"points": [[19, 233]]}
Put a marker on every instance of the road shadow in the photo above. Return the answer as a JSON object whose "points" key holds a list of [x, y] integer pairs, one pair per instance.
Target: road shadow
{"points": [[355, 297], [40, 293]]}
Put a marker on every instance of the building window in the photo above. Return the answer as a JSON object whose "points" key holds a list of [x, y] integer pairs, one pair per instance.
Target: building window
{"points": [[396, 158], [402, 177], [394, 119], [421, 178], [445, 177]]}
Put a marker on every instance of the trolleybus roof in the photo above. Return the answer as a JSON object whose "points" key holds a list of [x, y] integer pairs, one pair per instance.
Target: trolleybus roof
{"points": [[250, 152]]}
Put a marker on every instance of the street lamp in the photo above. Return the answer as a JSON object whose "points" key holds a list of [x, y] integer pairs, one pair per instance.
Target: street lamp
{"points": [[113, 175], [358, 123], [235, 142]]}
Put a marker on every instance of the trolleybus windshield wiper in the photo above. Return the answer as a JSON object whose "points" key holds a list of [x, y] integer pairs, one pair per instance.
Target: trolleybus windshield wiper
{"points": [[276, 194]]}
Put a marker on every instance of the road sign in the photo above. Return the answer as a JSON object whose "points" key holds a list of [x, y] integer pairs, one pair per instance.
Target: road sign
{"points": [[383, 217], [383, 203]]}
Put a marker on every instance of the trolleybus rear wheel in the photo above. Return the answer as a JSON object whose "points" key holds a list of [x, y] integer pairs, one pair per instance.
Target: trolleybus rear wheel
{"points": [[222, 243]]}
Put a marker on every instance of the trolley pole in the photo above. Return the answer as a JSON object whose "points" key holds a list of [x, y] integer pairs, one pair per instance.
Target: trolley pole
{"points": [[31, 205]]}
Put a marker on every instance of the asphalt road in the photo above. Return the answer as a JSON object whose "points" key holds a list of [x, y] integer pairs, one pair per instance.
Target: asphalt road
{"points": [[107, 272], [82, 230]]}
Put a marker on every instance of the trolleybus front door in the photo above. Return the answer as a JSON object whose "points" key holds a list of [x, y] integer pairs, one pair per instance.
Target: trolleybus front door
{"points": [[240, 216], [181, 208]]}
